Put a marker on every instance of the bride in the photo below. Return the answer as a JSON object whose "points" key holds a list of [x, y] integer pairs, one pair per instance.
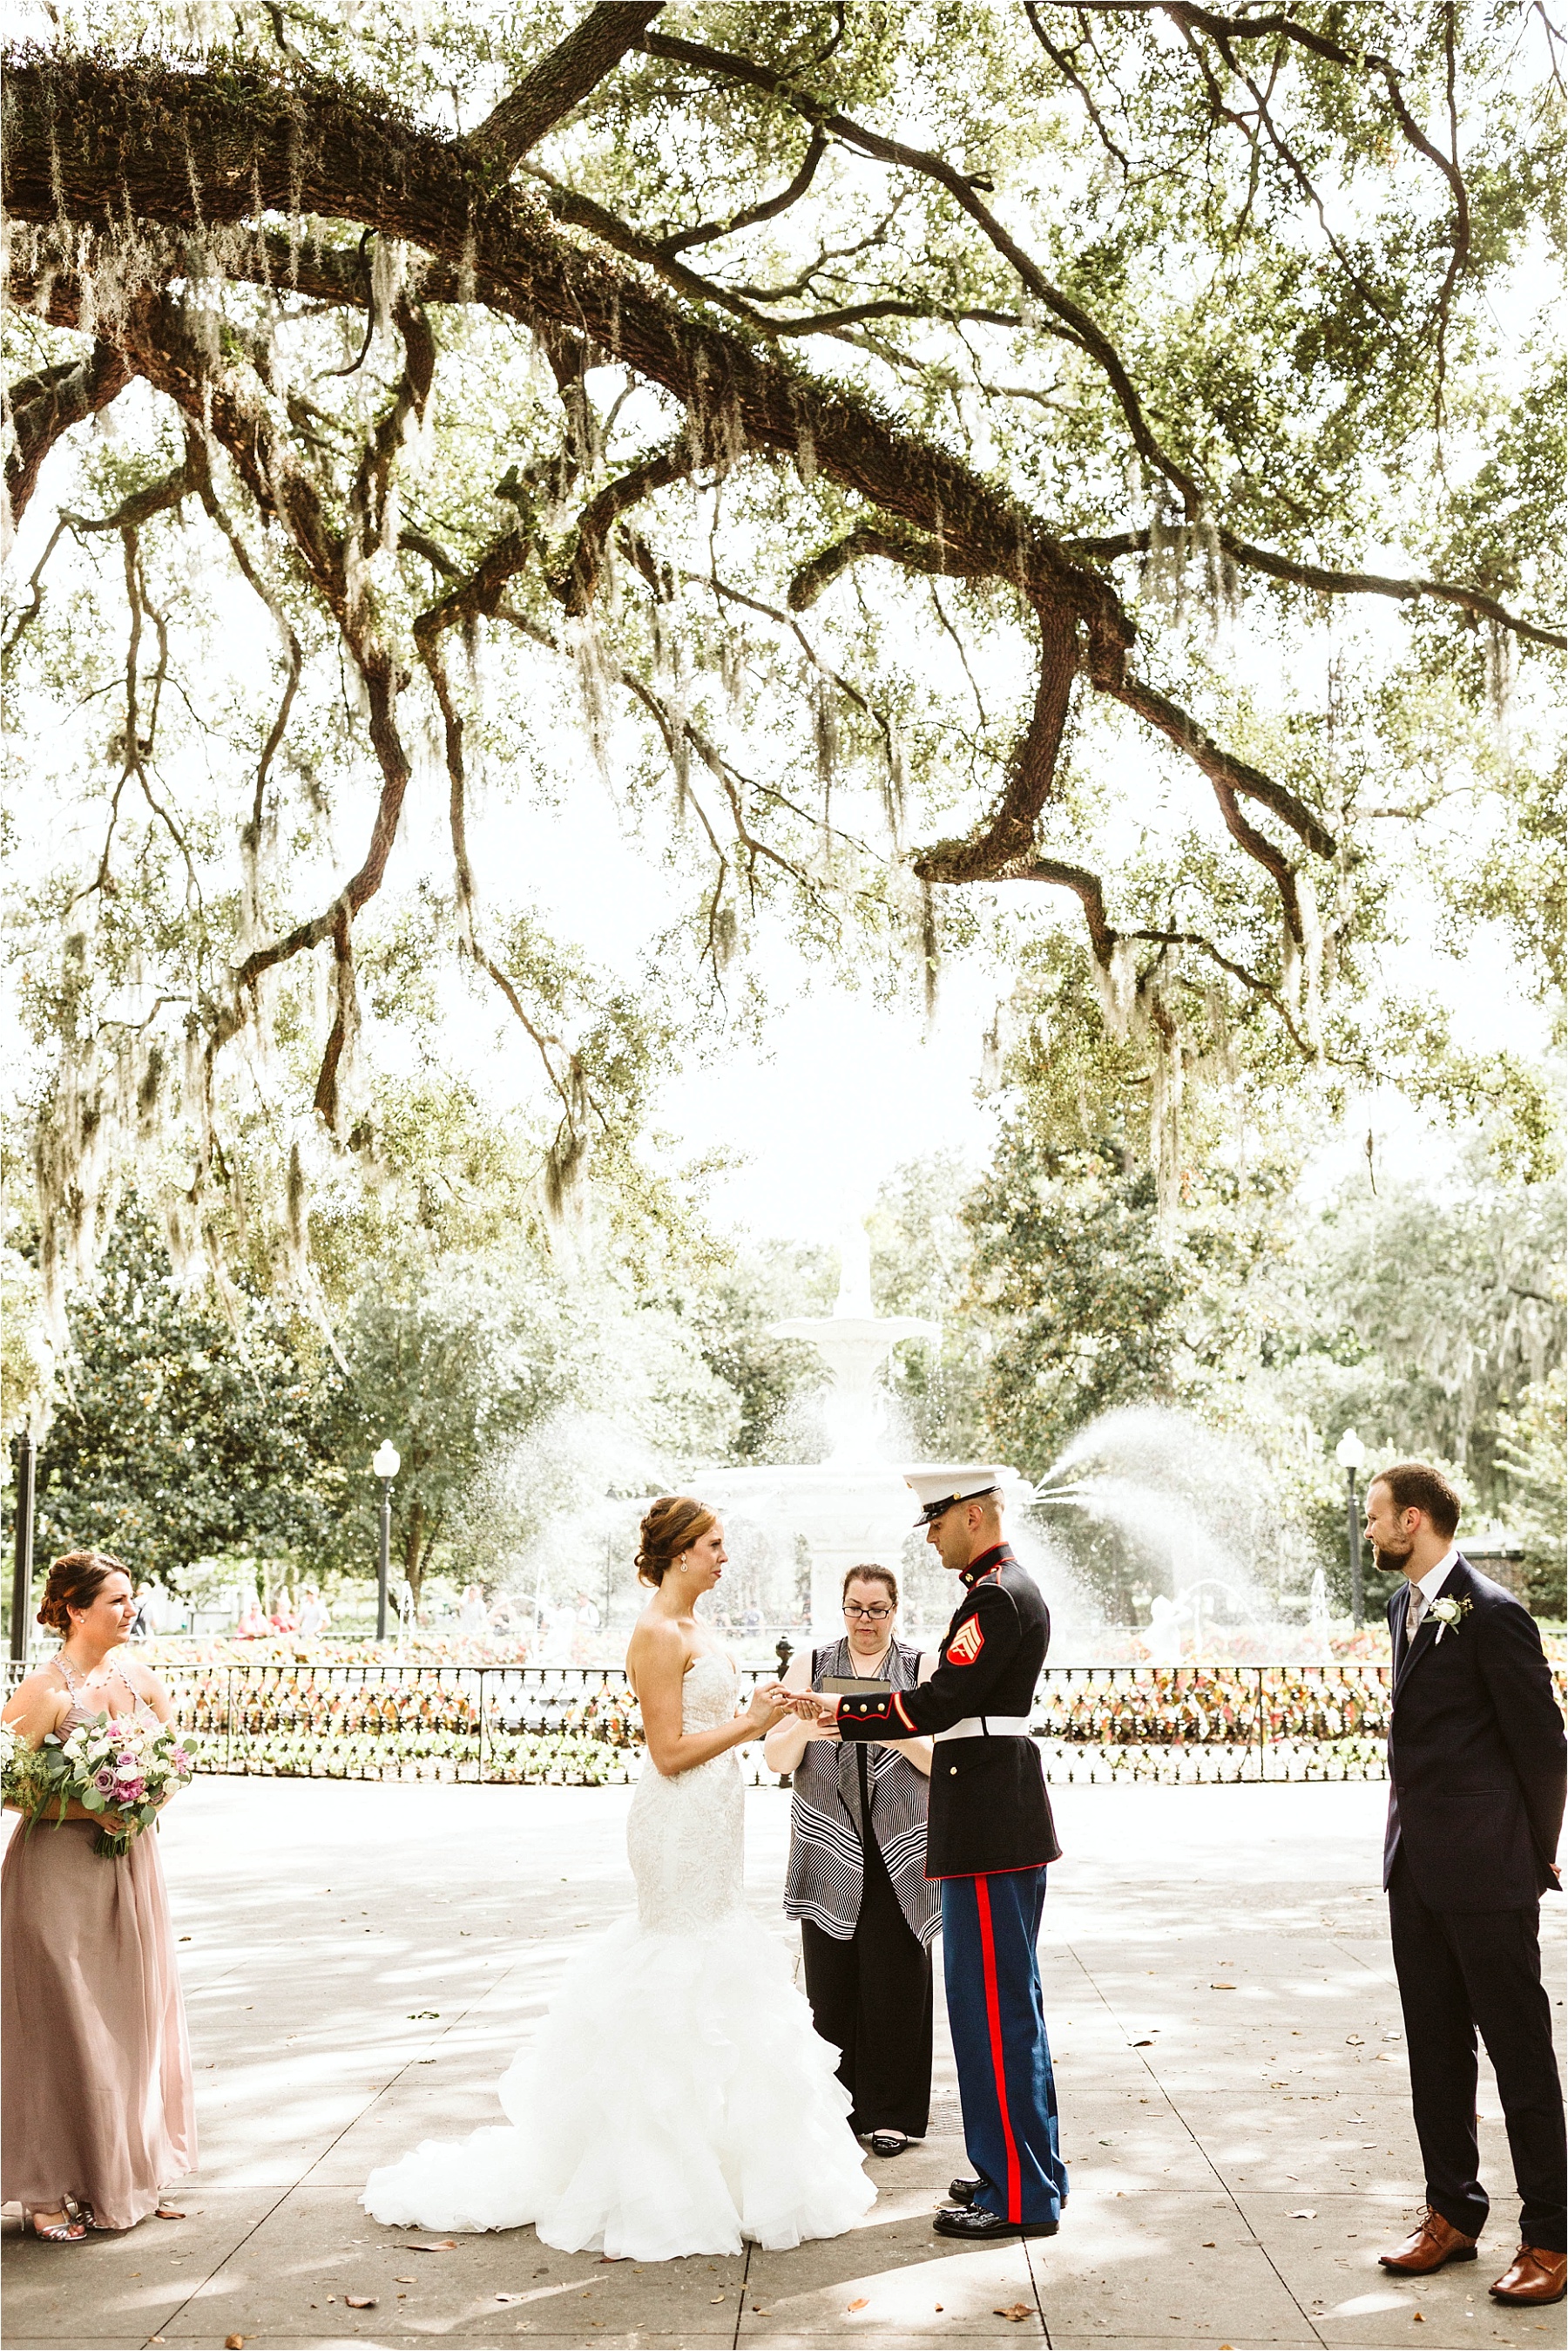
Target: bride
{"points": [[676, 2099]]}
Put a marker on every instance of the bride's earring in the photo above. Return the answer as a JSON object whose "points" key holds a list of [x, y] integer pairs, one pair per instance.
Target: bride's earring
{"points": [[684, 1564]]}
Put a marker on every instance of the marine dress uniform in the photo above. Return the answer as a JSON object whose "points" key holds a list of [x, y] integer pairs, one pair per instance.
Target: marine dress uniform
{"points": [[989, 1837]]}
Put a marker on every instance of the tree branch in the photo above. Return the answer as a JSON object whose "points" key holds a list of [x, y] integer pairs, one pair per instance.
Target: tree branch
{"points": [[1079, 326], [1333, 583], [711, 232], [561, 81], [41, 407]]}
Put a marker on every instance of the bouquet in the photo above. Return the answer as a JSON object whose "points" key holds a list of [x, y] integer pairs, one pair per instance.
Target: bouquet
{"points": [[122, 1767]]}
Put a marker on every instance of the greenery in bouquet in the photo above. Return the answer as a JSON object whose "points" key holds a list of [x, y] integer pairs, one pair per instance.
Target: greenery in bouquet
{"points": [[19, 1773], [121, 1769]]}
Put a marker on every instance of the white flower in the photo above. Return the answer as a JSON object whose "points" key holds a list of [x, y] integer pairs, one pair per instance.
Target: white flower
{"points": [[1448, 1611]]}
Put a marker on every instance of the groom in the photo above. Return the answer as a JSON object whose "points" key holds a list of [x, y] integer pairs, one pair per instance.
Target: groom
{"points": [[989, 1837], [1475, 1804]]}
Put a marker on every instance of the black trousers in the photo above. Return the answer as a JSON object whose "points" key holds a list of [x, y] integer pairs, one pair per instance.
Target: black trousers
{"points": [[871, 1997], [1460, 1970]]}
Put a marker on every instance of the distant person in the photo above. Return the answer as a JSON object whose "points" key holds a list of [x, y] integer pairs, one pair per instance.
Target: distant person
{"points": [[560, 1631], [1476, 1781], [473, 1616], [283, 1618], [143, 1625], [314, 1616], [867, 1912], [253, 1626], [99, 2111]]}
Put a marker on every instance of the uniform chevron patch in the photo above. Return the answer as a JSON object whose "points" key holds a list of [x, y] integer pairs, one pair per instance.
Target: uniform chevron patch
{"points": [[966, 1644]]}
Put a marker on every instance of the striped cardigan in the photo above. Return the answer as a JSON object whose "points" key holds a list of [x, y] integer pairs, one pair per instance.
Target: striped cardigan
{"points": [[826, 1867]]}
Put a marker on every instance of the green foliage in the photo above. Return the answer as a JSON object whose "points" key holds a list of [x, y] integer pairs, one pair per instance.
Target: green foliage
{"points": [[179, 1434], [1533, 1457]]}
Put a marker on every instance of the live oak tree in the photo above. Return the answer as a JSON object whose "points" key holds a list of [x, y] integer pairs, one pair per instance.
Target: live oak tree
{"points": [[1099, 448]]}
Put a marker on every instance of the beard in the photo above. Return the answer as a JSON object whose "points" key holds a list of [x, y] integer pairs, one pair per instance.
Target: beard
{"points": [[1390, 1563]]}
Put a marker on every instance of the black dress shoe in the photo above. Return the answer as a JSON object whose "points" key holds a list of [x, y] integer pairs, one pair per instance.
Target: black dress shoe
{"points": [[964, 2192], [977, 2227]]}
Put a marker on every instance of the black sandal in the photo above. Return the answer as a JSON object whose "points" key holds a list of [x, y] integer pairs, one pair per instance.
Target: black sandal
{"points": [[888, 2142]]}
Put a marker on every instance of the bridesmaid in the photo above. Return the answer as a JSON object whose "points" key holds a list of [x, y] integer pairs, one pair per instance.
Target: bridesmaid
{"points": [[96, 2066]]}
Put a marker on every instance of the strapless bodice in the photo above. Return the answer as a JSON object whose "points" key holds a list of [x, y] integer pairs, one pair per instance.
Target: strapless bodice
{"points": [[708, 1694], [684, 1835]]}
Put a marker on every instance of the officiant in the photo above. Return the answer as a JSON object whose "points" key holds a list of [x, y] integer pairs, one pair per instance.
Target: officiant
{"points": [[856, 1878]]}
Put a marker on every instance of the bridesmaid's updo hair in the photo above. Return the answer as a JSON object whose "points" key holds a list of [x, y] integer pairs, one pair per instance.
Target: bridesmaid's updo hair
{"points": [[75, 1581], [672, 1527]]}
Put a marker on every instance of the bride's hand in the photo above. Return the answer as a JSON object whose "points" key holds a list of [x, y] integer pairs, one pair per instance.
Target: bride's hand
{"points": [[770, 1703]]}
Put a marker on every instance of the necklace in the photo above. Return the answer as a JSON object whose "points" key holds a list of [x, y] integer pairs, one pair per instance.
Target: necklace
{"points": [[76, 1679], [874, 1673]]}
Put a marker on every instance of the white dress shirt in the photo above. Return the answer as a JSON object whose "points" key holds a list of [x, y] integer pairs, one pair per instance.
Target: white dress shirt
{"points": [[1426, 1588]]}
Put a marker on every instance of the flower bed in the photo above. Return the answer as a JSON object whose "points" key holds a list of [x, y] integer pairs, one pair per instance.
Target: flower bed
{"points": [[579, 1725]]}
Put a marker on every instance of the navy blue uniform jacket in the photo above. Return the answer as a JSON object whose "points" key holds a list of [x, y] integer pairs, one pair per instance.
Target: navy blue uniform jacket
{"points": [[989, 1809], [1475, 1753]]}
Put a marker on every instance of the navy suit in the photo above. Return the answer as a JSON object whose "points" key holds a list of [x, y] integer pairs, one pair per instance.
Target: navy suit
{"points": [[1475, 1781]]}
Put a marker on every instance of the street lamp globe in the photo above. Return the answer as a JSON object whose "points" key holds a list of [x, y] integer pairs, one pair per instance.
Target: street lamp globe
{"points": [[1350, 1452], [388, 1460]]}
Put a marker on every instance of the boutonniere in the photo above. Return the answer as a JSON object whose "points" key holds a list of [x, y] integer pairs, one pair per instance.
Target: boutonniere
{"points": [[1448, 1611]]}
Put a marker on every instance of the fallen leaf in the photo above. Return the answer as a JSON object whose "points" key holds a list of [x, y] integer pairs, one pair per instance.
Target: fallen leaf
{"points": [[1210, 2244], [424, 2016], [1417, 2319], [1140, 2044], [234, 2343], [511, 2297], [168, 2212], [409, 2281], [1222, 1987], [1354, 2040], [360, 2301], [1301, 2216], [939, 2306], [863, 2303], [433, 2245], [715, 2297], [1016, 2311]]}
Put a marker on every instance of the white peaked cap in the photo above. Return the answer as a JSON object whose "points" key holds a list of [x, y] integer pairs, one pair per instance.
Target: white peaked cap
{"points": [[935, 1490]]}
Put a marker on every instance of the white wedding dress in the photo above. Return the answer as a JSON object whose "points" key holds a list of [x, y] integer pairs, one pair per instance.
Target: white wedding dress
{"points": [[677, 2098]]}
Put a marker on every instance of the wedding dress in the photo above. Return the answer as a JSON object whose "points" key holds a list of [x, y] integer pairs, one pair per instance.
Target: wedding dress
{"points": [[677, 2098]]}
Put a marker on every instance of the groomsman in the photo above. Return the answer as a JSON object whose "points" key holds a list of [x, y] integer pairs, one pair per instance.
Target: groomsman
{"points": [[989, 1837], [1476, 1776]]}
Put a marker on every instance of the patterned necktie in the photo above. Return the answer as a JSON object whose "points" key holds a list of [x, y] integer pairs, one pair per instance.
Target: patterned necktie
{"points": [[1413, 1611]]}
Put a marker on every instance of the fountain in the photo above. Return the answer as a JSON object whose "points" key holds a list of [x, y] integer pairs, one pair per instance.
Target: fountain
{"points": [[1190, 1505], [854, 1506]]}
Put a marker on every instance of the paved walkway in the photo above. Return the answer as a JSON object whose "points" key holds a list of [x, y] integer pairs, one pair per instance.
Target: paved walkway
{"points": [[1222, 2000]]}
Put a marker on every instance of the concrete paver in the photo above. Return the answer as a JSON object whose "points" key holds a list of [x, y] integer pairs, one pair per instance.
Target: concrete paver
{"points": [[363, 1960]]}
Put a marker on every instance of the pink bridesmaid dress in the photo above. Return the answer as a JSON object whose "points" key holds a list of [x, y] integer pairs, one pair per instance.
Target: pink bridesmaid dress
{"points": [[95, 2065]]}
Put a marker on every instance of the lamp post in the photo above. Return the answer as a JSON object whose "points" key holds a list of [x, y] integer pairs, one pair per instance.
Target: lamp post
{"points": [[386, 1466], [22, 1565], [1351, 1455]]}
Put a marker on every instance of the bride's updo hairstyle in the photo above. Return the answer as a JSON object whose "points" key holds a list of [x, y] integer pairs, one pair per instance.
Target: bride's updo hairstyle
{"points": [[75, 1581], [672, 1527]]}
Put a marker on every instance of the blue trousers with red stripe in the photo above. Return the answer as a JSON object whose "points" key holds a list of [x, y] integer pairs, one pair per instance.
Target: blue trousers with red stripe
{"points": [[998, 2022]]}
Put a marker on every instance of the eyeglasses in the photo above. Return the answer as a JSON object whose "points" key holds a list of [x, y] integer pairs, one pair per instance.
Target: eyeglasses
{"points": [[852, 1609]]}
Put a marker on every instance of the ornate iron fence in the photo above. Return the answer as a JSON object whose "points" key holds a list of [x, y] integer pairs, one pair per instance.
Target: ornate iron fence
{"points": [[578, 1726]]}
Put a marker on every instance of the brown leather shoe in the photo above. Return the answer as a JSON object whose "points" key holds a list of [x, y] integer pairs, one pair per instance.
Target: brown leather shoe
{"points": [[1533, 2275], [1433, 2241]]}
